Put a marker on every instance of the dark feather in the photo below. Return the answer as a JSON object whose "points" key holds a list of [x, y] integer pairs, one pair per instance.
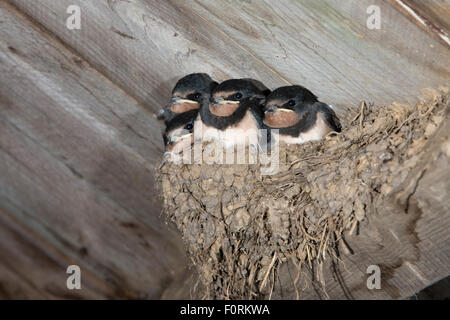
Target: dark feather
{"points": [[330, 116]]}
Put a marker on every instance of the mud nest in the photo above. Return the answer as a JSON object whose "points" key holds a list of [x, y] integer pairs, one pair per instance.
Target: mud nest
{"points": [[239, 226]]}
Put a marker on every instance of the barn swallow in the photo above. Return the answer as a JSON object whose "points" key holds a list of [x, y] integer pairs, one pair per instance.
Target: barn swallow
{"points": [[299, 115], [187, 94], [178, 135], [231, 111]]}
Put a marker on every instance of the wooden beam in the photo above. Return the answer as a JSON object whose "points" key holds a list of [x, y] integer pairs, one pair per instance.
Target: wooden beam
{"points": [[31, 268], [78, 149], [432, 16], [144, 46], [77, 157]]}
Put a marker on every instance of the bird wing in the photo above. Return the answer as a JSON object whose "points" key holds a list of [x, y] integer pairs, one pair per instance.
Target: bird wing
{"points": [[330, 116]]}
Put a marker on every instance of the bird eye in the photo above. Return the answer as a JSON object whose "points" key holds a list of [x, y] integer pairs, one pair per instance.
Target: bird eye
{"points": [[291, 103], [197, 95], [238, 95], [189, 126]]}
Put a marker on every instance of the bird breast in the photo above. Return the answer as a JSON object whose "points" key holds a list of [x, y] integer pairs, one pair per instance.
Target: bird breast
{"points": [[315, 133], [243, 132]]}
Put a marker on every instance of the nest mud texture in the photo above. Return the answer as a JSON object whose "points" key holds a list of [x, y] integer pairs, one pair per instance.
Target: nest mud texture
{"points": [[239, 226]]}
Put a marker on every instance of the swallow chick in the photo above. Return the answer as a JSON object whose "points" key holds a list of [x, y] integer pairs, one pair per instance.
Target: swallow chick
{"points": [[178, 135], [187, 95], [299, 115], [233, 113]]}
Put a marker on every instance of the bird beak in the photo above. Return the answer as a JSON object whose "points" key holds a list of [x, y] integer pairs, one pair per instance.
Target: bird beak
{"points": [[175, 139], [228, 102], [271, 109], [180, 105], [274, 109], [179, 143], [177, 100], [222, 101]]}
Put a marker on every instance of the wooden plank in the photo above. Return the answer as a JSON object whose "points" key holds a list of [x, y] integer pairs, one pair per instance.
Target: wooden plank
{"points": [[76, 168], [70, 133], [145, 46], [38, 272], [437, 11], [324, 45], [432, 15], [327, 46]]}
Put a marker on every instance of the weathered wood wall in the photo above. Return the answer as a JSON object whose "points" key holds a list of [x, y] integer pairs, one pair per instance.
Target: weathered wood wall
{"points": [[430, 15], [76, 176], [144, 46], [79, 142]]}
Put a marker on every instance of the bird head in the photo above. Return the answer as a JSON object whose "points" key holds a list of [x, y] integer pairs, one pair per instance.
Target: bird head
{"points": [[179, 133], [227, 96], [285, 106], [190, 91]]}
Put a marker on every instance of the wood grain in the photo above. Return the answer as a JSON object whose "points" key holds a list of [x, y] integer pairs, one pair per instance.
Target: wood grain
{"points": [[324, 45], [162, 43], [38, 272], [77, 159], [78, 140], [432, 15], [437, 11]]}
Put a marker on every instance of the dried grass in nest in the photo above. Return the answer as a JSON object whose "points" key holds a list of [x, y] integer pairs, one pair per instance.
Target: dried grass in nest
{"points": [[239, 226]]}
